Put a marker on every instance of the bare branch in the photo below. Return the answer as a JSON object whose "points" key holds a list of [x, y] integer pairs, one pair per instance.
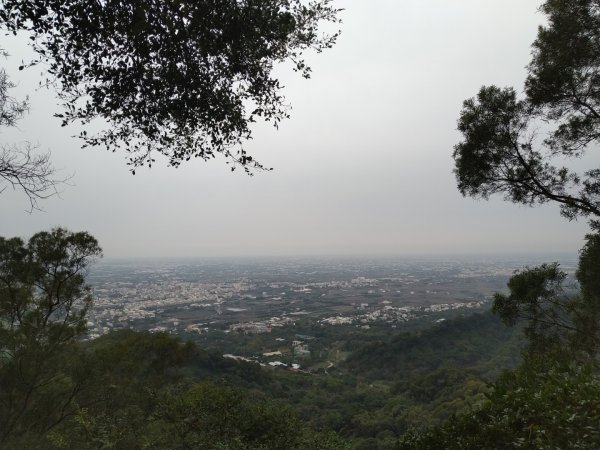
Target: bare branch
{"points": [[24, 169], [21, 166]]}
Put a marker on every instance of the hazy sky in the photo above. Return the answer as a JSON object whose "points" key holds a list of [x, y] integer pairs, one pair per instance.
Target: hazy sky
{"points": [[362, 167]]}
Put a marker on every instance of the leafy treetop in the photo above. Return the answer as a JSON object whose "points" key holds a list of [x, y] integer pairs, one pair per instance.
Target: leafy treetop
{"points": [[501, 152], [43, 293]]}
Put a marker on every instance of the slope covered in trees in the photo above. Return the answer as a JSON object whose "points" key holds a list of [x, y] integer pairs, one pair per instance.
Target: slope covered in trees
{"points": [[450, 344], [131, 389]]}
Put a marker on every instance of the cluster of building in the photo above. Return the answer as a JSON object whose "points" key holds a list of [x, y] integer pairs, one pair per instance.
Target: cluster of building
{"points": [[264, 326], [299, 349], [392, 314], [250, 328], [152, 298], [118, 304]]}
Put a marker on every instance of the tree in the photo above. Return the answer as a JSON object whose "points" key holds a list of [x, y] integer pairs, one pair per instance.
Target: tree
{"points": [[21, 167], [551, 400], [538, 297], [201, 416], [553, 406], [587, 307], [501, 152], [43, 302], [181, 78]]}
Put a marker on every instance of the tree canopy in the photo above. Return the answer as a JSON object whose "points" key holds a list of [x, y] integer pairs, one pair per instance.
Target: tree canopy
{"points": [[180, 78], [501, 151], [43, 303]]}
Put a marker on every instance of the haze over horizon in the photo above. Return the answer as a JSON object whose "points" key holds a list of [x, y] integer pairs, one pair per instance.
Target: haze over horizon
{"points": [[541, 256], [363, 166]]}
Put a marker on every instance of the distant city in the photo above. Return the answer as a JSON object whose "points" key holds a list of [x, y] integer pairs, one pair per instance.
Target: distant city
{"points": [[253, 296]]}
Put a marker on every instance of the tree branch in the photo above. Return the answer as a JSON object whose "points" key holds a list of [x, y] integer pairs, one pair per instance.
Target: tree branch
{"points": [[31, 173], [568, 200]]}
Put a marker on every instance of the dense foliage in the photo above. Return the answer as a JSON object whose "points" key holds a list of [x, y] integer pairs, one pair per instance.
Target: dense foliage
{"points": [[450, 344], [372, 385], [553, 408], [179, 78]]}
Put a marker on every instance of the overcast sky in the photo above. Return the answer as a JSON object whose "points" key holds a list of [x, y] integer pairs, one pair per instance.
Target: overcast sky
{"points": [[362, 167]]}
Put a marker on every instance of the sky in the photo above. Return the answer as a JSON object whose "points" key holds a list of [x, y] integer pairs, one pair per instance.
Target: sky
{"points": [[362, 167]]}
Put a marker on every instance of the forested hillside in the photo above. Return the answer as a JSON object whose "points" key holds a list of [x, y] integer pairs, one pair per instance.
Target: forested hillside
{"points": [[132, 389], [476, 341]]}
